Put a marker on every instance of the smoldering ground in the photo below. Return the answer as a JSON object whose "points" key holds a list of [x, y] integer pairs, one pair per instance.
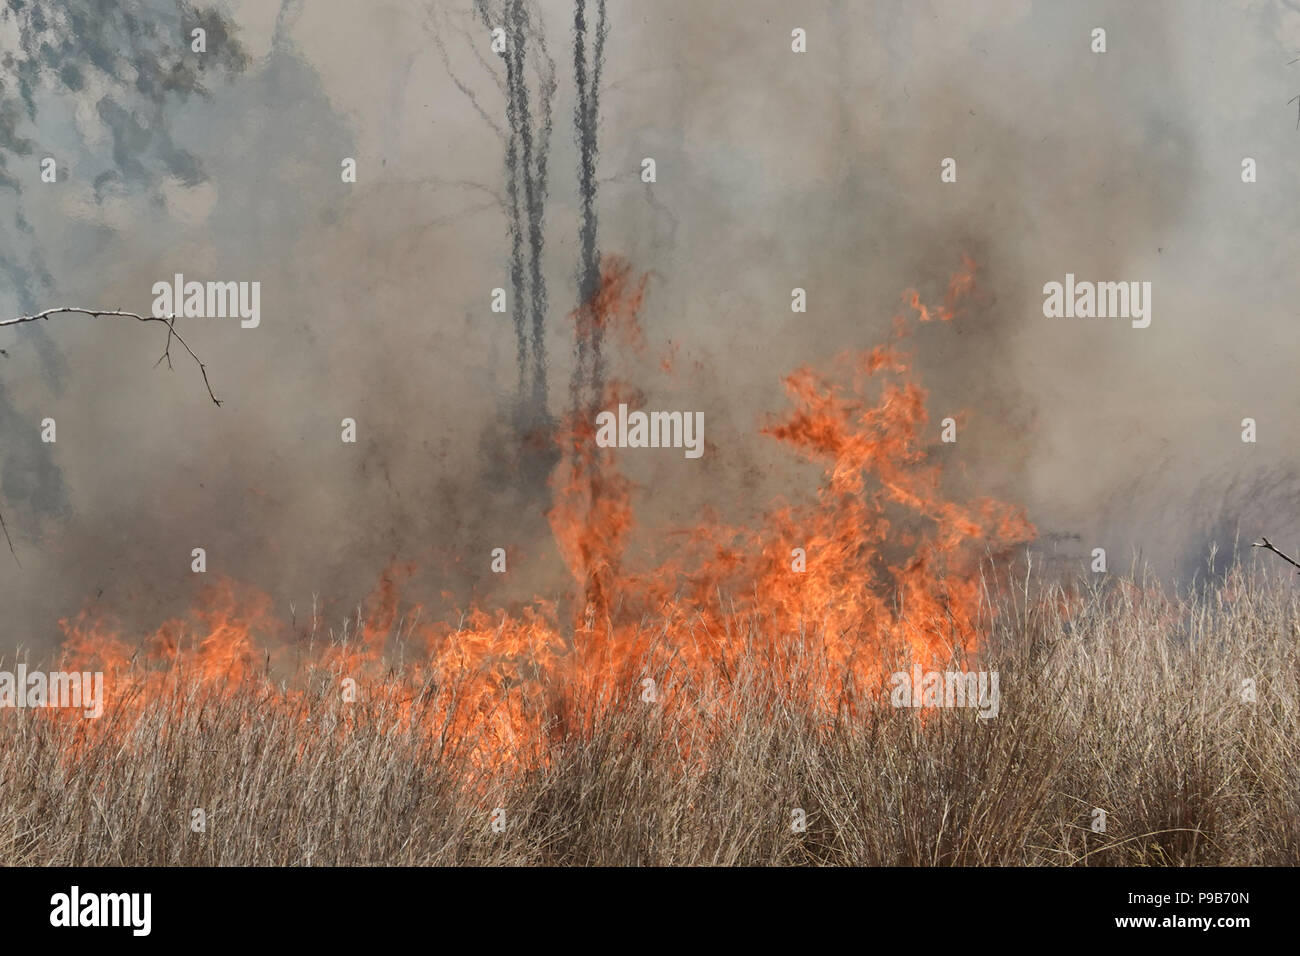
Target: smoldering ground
{"points": [[775, 170]]}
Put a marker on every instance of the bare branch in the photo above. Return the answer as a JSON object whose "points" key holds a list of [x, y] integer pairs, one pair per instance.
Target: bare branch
{"points": [[1263, 542], [439, 183], [167, 349], [169, 321], [10, 540], [460, 85], [474, 44], [486, 14], [448, 218]]}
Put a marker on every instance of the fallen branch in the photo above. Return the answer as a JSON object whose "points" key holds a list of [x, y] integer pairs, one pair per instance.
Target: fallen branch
{"points": [[169, 321], [1263, 542]]}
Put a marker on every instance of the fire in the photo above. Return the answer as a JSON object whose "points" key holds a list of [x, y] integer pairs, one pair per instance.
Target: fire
{"points": [[875, 567]]}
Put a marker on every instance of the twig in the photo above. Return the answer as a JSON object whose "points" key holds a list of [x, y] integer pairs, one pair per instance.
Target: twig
{"points": [[10, 540], [169, 321], [1263, 542], [460, 84]]}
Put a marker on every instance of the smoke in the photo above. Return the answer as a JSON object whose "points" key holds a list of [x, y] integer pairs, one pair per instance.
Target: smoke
{"points": [[822, 172], [775, 170]]}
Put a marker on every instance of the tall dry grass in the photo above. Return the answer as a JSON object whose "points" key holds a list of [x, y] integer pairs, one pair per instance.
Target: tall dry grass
{"points": [[1116, 698]]}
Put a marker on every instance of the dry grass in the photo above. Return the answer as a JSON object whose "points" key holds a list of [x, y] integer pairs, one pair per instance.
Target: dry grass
{"points": [[1130, 703]]}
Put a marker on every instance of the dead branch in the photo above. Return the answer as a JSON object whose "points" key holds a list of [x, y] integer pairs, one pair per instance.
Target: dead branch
{"points": [[169, 321], [9, 540], [1263, 542], [460, 84]]}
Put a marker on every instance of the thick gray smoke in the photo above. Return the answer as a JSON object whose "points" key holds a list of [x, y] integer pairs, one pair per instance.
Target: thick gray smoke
{"points": [[775, 170]]}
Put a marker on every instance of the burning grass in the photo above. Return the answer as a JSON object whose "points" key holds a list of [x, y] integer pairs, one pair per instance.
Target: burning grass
{"points": [[1117, 697], [694, 707]]}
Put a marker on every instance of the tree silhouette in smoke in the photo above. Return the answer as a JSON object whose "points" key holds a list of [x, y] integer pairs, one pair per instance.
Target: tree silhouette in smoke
{"points": [[526, 83]]}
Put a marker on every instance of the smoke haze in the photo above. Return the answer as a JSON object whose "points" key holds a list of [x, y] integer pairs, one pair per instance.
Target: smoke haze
{"points": [[774, 171]]}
